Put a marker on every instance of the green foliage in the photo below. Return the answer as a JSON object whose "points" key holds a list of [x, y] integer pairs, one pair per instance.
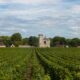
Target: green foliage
{"points": [[40, 63], [47, 77], [60, 63], [61, 41], [75, 42], [16, 39], [33, 41], [6, 40], [8, 43], [56, 41], [13, 63], [25, 41]]}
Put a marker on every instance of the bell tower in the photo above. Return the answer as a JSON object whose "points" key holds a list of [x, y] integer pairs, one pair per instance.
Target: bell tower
{"points": [[43, 41], [41, 37]]}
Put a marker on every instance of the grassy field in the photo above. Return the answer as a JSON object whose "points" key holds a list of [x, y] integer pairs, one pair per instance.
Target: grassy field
{"points": [[40, 64]]}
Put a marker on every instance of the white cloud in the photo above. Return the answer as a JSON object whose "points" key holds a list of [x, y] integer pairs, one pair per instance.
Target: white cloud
{"points": [[30, 1], [42, 16], [75, 9]]}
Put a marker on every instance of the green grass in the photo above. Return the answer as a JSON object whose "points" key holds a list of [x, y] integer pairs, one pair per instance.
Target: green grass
{"points": [[44, 63], [13, 63], [61, 63]]}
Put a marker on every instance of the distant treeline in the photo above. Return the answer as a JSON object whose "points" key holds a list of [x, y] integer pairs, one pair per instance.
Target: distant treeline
{"points": [[57, 41], [62, 41]]}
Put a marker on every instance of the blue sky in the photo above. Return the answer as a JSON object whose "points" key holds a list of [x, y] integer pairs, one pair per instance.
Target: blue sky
{"points": [[32, 17]]}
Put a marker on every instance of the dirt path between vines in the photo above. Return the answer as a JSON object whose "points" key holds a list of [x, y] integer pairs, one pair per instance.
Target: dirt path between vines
{"points": [[28, 75]]}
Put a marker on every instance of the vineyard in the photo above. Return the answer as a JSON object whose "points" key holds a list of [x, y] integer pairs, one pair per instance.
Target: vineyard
{"points": [[40, 64]]}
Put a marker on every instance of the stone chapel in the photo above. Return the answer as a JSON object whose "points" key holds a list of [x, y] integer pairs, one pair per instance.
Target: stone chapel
{"points": [[43, 41]]}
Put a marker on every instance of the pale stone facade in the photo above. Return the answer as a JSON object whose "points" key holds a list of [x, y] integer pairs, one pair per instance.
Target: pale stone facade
{"points": [[12, 45], [43, 41]]}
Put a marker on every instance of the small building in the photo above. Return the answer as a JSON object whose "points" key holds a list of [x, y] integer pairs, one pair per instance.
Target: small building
{"points": [[12, 45], [67, 46], [43, 41]]}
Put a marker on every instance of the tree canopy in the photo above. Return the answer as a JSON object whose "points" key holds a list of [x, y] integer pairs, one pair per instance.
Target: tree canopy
{"points": [[16, 39], [33, 41]]}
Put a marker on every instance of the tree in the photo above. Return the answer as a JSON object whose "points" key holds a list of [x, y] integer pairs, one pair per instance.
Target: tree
{"points": [[68, 42], [6, 40], [25, 41], [75, 42], [58, 41], [33, 41], [16, 39]]}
